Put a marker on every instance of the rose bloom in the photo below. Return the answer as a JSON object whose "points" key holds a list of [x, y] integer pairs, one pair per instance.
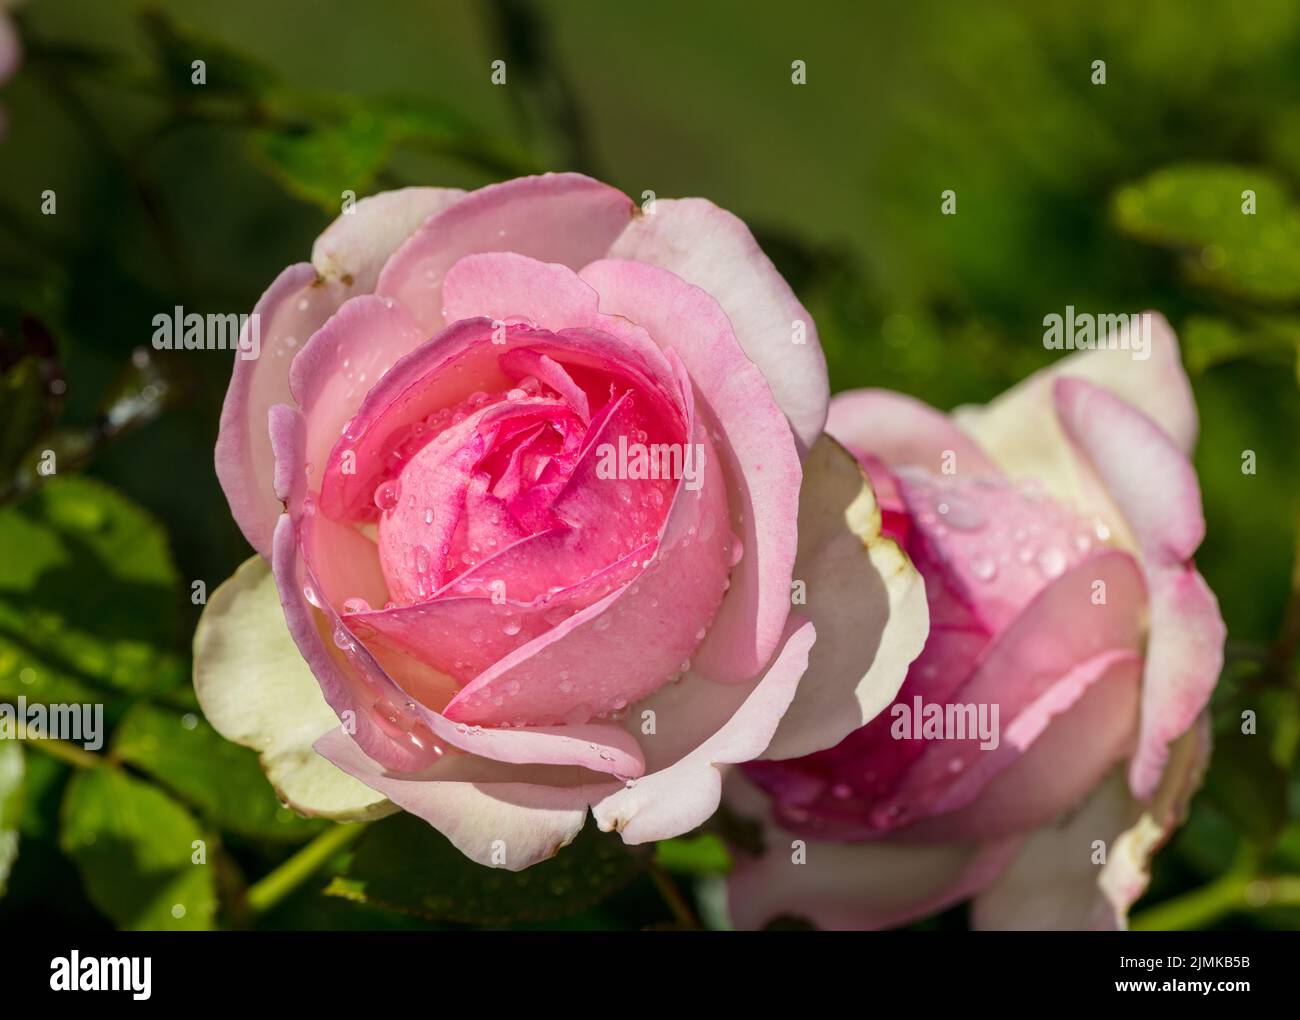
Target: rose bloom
{"points": [[523, 468], [1055, 529]]}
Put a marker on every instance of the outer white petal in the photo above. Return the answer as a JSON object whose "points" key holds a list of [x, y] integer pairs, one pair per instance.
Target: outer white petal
{"points": [[504, 816], [1021, 432], [714, 250], [256, 690], [356, 245], [850, 886], [865, 598], [1053, 883], [683, 794]]}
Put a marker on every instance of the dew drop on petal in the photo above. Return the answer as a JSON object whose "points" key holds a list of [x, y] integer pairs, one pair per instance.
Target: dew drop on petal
{"points": [[983, 568], [1051, 562], [386, 495]]}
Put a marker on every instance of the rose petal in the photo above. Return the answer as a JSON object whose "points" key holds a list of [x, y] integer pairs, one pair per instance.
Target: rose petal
{"points": [[1155, 488], [901, 431], [677, 798], [505, 286], [1021, 432], [565, 218], [1053, 883], [256, 690], [714, 250], [1046, 642], [341, 362], [618, 650], [865, 598], [1051, 755], [857, 886], [346, 260], [290, 311], [358, 243], [762, 463], [525, 822]]}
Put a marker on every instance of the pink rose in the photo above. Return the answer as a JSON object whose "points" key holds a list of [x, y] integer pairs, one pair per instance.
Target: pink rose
{"points": [[524, 470], [1055, 530]]}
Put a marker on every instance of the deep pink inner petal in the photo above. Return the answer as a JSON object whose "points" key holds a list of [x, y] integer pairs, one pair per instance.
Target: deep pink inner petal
{"points": [[987, 549], [506, 488]]}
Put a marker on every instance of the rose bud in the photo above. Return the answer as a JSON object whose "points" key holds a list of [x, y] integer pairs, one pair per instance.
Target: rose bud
{"points": [[1047, 739]]}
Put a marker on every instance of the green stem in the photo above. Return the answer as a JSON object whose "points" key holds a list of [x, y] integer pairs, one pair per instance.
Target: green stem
{"points": [[70, 753], [1235, 892], [673, 897], [270, 890]]}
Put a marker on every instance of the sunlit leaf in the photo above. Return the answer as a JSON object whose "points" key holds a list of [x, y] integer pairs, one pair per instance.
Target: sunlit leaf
{"points": [[135, 848], [695, 855], [1202, 211], [221, 779], [88, 597]]}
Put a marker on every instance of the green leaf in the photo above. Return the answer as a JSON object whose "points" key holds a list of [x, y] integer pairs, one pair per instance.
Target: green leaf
{"points": [[1208, 340], [133, 846], [11, 807], [705, 854], [88, 598], [404, 864], [1197, 210], [222, 780], [319, 161], [319, 146]]}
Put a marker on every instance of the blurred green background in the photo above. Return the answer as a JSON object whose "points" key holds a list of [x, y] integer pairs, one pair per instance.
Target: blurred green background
{"points": [[1112, 197]]}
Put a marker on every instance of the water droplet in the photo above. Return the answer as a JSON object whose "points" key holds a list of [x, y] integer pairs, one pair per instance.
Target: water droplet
{"points": [[309, 593], [1051, 562], [386, 495], [512, 626], [983, 568], [961, 515], [356, 605]]}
